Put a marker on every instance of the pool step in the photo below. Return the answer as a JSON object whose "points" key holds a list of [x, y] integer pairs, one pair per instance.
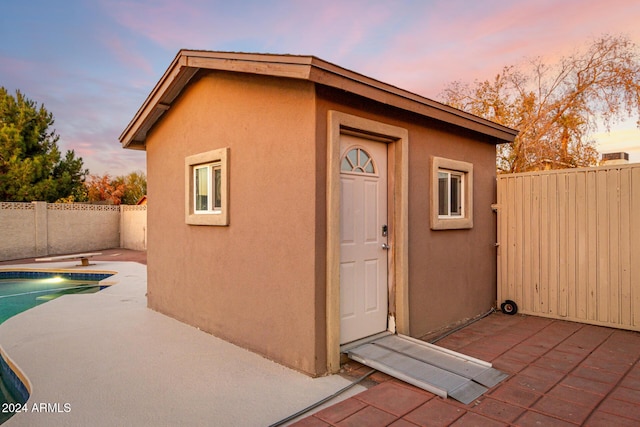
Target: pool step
{"points": [[48, 297]]}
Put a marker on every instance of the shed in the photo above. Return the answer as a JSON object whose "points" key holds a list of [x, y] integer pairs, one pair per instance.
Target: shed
{"points": [[297, 206]]}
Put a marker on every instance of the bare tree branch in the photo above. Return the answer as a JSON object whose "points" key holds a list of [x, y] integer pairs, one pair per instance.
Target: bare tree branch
{"points": [[556, 106]]}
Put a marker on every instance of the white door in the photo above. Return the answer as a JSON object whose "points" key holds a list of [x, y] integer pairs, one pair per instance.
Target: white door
{"points": [[363, 238]]}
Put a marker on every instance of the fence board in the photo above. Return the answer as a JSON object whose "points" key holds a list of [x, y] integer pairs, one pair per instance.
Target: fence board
{"points": [[511, 225], [518, 256], [634, 246], [535, 233], [592, 235], [553, 246], [613, 192], [602, 227], [527, 250], [543, 286], [563, 237], [569, 244], [625, 247], [571, 249], [582, 263]]}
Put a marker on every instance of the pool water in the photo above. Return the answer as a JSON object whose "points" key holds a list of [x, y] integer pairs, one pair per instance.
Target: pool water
{"points": [[18, 295], [20, 291]]}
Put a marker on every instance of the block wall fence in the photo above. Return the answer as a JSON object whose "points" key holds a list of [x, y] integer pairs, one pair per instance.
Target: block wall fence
{"points": [[39, 229]]}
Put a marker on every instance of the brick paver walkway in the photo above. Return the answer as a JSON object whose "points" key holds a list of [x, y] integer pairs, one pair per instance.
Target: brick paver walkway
{"points": [[561, 374]]}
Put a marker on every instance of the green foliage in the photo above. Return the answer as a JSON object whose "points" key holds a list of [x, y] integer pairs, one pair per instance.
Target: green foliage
{"points": [[556, 107], [135, 187], [31, 167]]}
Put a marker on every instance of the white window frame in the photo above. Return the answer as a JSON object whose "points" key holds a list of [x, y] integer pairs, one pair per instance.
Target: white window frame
{"points": [[211, 186], [457, 179], [451, 221], [213, 214]]}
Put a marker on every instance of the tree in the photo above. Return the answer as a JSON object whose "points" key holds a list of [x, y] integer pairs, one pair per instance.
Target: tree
{"points": [[556, 107], [104, 189], [126, 189], [135, 187], [31, 167], [70, 176]]}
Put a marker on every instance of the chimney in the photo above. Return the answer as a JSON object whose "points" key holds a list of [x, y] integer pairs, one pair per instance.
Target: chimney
{"points": [[619, 158]]}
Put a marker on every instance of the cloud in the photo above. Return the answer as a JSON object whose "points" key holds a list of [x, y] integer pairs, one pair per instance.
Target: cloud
{"points": [[89, 111], [96, 69], [127, 55], [339, 29], [171, 23], [416, 45], [115, 161], [443, 41]]}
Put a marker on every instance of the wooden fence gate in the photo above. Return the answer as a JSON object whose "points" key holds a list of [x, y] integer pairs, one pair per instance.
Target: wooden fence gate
{"points": [[569, 244]]}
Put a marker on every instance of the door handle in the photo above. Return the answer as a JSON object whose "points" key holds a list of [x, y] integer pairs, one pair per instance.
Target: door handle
{"points": [[386, 247]]}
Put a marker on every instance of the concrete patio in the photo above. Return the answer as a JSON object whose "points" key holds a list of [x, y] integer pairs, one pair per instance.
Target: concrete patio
{"points": [[117, 363]]}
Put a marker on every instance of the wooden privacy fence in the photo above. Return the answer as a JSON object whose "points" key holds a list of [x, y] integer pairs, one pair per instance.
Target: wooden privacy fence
{"points": [[569, 244]]}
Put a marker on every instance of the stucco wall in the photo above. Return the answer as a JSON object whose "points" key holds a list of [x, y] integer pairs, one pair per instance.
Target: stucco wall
{"points": [[452, 273], [254, 281], [260, 281]]}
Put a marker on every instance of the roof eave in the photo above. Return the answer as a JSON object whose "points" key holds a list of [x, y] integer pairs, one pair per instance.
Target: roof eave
{"points": [[159, 100], [187, 63], [400, 98]]}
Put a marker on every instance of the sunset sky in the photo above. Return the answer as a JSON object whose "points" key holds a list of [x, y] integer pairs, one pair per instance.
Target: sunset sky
{"points": [[93, 63]]}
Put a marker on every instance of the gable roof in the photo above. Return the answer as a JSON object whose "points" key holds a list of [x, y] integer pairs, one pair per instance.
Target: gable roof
{"points": [[188, 62]]}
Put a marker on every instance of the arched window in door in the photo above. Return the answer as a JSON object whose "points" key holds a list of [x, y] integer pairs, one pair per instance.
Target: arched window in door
{"points": [[359, 161]]}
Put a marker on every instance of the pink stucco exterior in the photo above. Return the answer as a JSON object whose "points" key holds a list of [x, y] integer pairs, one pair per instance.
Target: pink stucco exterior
{"points": [[261, 281]]}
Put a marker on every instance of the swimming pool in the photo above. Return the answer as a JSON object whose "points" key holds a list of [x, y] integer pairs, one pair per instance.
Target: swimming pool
{"points": [[22, 290]]}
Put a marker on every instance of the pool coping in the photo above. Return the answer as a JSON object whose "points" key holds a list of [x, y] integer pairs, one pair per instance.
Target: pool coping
{"points": [[40, 273], [24, 389]]}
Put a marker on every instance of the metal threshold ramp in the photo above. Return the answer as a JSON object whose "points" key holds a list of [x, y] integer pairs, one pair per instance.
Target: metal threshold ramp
{"points": [[432, 368]]}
